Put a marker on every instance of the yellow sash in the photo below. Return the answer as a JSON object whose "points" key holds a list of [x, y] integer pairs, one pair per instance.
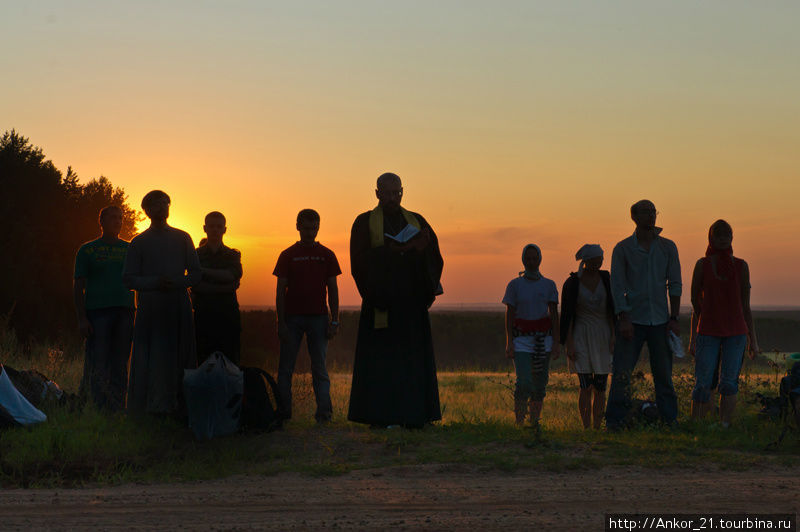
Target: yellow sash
{"points": [[376, 240]]}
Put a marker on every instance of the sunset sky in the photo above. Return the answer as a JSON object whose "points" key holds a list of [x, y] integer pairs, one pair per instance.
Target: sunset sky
{"points": [[509, 122]]}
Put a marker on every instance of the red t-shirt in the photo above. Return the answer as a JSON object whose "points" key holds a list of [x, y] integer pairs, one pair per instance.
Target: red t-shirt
{"points": [[721, 311], [307, 267]]}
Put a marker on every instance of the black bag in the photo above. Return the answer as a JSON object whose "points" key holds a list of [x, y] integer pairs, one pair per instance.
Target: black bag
{"points": [[790, 395], [260, 411]]}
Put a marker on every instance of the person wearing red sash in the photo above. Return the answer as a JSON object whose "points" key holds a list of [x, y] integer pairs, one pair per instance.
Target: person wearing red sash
{"points": [[531, 323], [722, 322]]}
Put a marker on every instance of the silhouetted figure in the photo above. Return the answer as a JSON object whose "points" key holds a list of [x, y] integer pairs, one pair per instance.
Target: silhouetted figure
{"points": [[161, 264], [394, 371], [587, 331], [531, 302], [644, 269], [721, 323], [217, 321], [305, 272], [105, 308]]}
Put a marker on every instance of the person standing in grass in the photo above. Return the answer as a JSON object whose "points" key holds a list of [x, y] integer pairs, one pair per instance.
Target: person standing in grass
{"points": [[587, 331], [306, 271], [105, 308], [531, 323], [217, 321], [644, 269], [396, 264], [722, 322], [161, 265]]}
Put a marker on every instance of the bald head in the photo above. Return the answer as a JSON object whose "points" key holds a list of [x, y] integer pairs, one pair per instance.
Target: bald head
{"points": [[389, 192], [388, 179]]}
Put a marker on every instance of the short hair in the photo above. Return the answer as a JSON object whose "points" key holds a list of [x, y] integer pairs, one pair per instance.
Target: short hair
{"points": [[719, 226], [215, 214], [107, 209], [635, 206], [308, 215], [386, 178], [152, 196]]}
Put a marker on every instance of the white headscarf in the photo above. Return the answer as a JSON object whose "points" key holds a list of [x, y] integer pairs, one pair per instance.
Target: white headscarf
{"points": [[587, 251]]}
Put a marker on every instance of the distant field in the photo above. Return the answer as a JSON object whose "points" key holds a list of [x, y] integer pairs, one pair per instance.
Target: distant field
{"points": [[470, 340]]}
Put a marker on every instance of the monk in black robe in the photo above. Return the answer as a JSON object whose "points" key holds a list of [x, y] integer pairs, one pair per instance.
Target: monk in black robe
{"points": [[394, 371]]}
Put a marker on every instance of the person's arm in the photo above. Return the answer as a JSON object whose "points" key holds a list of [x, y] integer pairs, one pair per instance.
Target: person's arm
{"points": [[674, 288], [510, 314], [748, 313], [219, 275], [553, 308], [280, 306], [697, 304], [132, 275], [193, 271], [79, 294], [333, 305], [204, 287], [618, 289]]}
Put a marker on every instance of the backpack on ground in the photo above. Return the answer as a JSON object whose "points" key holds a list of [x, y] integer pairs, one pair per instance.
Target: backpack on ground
{"points": [[15, 409], [790, 395], [260, 401], [37, 388], [213, 394]]}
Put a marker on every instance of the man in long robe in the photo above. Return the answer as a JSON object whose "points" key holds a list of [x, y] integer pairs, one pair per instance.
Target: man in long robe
{"points": [[160, 265], [394, 371]]}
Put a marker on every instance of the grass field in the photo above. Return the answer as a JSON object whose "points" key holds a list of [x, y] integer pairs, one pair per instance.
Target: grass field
{"points": [[85, 446]]}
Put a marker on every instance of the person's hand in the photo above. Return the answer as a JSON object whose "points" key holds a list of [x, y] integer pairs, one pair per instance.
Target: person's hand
{"points": [[332, 330], [421, 240], [283, 331], [626, 327], [570, 351], [674, 326], [85, 327], [510, 349], [754, 350], [165, 283], [555, 351]]}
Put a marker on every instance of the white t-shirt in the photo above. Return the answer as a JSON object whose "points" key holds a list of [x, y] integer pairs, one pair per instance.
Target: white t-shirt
{"points": [[530, 300]]}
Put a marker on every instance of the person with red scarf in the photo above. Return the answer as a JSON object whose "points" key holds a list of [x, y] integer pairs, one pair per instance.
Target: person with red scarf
{"points": [[722, 322]]}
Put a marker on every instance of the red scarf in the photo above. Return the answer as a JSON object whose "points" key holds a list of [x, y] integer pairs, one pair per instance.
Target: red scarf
{"points": [[724, 261]]}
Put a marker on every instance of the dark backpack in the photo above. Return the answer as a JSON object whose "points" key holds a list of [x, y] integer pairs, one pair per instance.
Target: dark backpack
{"points": [[790, 395], [260, 408]]}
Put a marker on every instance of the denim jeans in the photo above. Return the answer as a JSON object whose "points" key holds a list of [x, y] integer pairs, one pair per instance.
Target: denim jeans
{"points": [[708, 350], [532, 376], [108, 349], [315, 328], [626, 355]]}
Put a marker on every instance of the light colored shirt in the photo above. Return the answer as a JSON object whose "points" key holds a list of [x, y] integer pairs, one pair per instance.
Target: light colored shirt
{"points": [[531, 300], [641, 279]]}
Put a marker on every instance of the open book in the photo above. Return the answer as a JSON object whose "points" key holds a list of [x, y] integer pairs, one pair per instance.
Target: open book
{"points": [[407, 233]]}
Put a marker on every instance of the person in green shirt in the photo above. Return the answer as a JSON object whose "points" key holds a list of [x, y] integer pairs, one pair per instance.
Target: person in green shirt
{"points": [[105, 309]]}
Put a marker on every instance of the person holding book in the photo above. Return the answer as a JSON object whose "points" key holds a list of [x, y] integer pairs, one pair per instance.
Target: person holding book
{"points": [[396, 263]]}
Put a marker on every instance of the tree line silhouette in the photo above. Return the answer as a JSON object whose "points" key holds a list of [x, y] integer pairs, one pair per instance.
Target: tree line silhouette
{"points": [[45, 215]]}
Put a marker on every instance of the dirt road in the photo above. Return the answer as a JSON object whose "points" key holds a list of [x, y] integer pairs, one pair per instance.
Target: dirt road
{"points": [[424, 497]]}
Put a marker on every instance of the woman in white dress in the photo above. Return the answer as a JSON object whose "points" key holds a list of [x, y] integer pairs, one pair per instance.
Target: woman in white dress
{"points": [[587, 331]]}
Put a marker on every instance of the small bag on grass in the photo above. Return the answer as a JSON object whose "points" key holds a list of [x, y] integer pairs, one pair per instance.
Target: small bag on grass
{"points": [[213, 395], [260, 411]]}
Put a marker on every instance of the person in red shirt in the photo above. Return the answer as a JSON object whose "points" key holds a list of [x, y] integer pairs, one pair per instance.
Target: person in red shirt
{"points": [[305, 272], [722, 322]]}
